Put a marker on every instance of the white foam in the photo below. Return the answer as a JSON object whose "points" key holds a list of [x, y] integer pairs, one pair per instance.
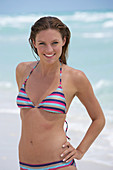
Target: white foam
{"points": [[97, 35], [108, 24], [17, 21], [88, 16], [21, 20], [103, 83], [13, 38]]}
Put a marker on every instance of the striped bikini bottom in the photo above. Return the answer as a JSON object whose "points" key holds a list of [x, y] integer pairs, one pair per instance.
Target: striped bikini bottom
{"points": [[51, 165]]}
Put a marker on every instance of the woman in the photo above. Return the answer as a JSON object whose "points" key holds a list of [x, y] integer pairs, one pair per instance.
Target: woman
{"points": [[45, 96]]}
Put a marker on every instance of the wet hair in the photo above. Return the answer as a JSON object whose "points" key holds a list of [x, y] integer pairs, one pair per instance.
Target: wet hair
{"points": [[49, 22]]}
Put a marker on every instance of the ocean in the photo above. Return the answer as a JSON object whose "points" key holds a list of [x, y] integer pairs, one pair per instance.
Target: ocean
{"points": [[90, 50]]}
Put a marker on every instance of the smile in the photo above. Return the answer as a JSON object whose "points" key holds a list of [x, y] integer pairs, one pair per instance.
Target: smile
{"points": [[49, 56]]}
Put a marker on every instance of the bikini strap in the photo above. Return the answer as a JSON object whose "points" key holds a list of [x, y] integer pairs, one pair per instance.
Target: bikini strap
{"points": [[66, 130], [30, 73], [60, 73]]}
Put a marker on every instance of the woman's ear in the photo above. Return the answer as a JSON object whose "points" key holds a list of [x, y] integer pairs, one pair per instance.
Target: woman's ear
{"points": [[34, 43], [64, 41]]}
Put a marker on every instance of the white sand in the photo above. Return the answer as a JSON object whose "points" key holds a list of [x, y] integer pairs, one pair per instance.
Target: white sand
{"points": [[86, 165]]}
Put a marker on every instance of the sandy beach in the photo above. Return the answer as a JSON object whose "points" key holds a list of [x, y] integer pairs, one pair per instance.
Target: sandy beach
{"points": [[85, 165], [10, 133]]}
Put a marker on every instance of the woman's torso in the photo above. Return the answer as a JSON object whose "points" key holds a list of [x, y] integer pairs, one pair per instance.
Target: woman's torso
{"points": [[42, 131], [42, 136]]}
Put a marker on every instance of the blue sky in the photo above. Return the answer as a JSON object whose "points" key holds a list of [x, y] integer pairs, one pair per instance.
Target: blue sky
{"points": [[38, 6]]}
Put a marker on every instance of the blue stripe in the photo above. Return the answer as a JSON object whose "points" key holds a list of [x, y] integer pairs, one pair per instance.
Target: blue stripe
{"points": [[25, 106], [45, 107], [21, 97], [60, 90], [40, 167], [57, 92], [24, 102], [29, 75], [23, 89], [53, 104], [24, 94], [55, 100]]}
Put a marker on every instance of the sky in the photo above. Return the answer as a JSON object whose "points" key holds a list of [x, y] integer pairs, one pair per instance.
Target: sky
{"points": [[38, 6]]}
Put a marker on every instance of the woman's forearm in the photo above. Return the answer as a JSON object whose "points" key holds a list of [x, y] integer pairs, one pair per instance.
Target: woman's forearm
{"points": [[91, 134]]}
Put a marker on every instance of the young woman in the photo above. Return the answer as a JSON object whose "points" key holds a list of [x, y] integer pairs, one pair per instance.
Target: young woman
{"points": [[46, 89]]}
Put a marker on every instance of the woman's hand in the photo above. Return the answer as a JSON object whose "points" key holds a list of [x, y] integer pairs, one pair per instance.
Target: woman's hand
{"points": [[70, 153]]}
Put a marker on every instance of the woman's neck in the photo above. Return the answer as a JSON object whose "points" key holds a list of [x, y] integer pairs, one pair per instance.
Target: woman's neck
{"points": [[48, 69]]}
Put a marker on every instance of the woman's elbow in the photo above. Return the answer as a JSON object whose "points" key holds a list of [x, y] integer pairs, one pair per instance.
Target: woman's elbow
{"points": [[102, 122]]}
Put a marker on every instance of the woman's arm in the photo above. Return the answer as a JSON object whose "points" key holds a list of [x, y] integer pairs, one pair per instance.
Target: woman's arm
{"points": [[86, 96]]}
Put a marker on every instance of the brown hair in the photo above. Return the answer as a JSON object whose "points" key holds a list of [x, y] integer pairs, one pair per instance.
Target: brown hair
{"points": [[45, 23]]}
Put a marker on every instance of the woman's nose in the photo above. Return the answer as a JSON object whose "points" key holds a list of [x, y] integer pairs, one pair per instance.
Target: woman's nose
{"points": [[49, 49]]}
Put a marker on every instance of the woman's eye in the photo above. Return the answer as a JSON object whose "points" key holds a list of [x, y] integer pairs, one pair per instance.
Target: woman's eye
{"points": [[41, 43], [55, 42]]}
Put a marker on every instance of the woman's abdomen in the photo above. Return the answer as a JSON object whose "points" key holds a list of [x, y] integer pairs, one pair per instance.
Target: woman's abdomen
{"points": [[42, 148]]}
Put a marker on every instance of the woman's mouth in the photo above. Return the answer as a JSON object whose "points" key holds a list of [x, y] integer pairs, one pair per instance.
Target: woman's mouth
{"points": [[49, 56]]}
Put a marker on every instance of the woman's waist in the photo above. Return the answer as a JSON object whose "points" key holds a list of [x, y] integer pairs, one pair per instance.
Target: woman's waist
{"points": [[40, 132], [35, 151], [43, 138]]}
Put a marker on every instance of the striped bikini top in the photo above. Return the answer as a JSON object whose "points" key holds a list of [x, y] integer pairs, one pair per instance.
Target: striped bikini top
{"points": [[54, 102]]}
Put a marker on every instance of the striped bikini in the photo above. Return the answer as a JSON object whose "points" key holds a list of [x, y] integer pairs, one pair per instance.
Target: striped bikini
{"points": [[47, 166], [54, 102]]}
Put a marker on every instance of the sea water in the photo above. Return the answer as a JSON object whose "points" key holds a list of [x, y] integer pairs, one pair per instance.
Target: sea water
{"points": [[90, 50]]}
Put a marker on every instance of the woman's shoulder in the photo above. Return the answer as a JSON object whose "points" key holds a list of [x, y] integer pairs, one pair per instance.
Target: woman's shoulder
{"points": [[22, 70], [75, 74], [76, 77], [23, 65]]}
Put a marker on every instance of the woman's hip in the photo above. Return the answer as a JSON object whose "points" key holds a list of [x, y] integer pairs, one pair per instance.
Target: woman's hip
{"points": [[47, 166]]}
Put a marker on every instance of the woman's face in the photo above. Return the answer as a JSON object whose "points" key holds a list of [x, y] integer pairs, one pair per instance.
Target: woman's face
{"points": [[49, 45]]}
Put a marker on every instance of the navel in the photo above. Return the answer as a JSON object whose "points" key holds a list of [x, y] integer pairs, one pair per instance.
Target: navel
{"points": [[31, 142]]}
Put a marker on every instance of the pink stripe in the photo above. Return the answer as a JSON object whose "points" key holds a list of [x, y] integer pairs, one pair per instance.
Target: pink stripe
{"points": [[23, 99], [57, 95], [22, 91], [26, 106], [62, 166], [53, 102]]}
